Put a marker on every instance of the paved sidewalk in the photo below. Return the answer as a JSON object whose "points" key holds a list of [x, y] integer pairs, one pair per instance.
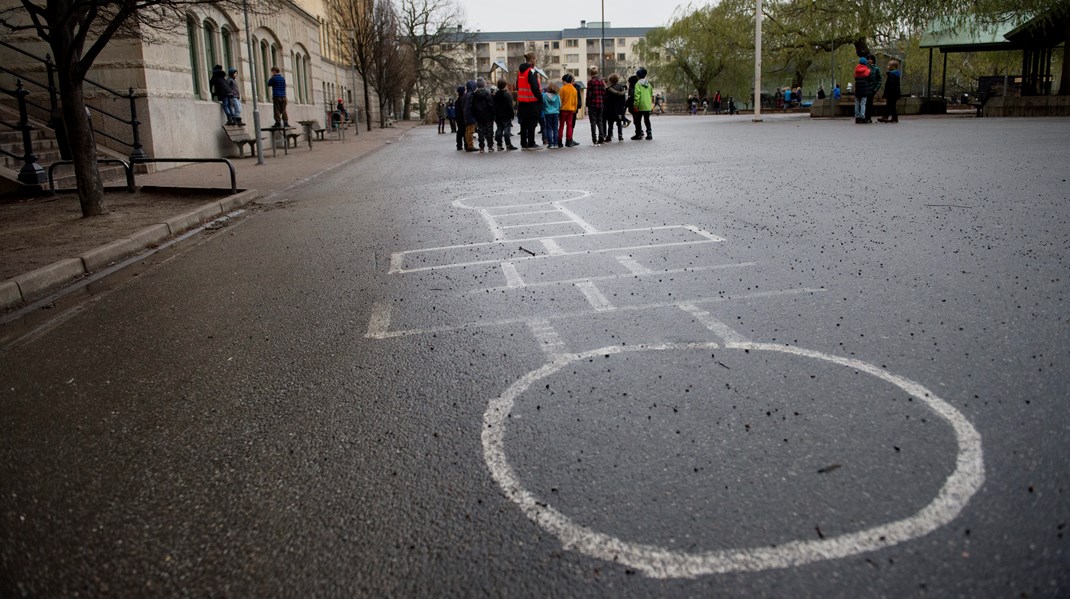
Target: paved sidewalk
{"points": [[61, 248], [285, 169]]}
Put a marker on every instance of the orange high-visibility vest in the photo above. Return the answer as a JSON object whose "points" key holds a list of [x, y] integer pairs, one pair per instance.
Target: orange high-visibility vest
{"points": [[524, 92]]}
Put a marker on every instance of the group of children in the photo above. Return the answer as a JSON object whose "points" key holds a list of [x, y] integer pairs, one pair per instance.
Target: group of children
{"points": [[868, 83], [486, 118]]}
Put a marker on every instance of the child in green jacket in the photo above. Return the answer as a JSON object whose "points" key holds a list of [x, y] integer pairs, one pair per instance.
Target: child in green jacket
{"points": [[644, 103]]}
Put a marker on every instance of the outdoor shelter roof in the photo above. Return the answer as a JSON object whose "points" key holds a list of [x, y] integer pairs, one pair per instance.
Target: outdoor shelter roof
{"points": [[966, 34]]}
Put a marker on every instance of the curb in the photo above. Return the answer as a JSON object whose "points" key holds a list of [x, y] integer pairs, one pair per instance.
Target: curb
{"points": [[35, 284]]}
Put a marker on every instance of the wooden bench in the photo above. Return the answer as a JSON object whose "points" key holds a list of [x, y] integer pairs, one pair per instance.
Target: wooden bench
{"points": [[240, 137], [313, 127], [291, 138], [980, 106]]}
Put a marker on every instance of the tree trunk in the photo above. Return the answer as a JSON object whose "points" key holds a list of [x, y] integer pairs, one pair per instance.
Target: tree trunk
{"points": [[1064, 79], [83, 148], [406, 110], [800, 72], [367, 102]]}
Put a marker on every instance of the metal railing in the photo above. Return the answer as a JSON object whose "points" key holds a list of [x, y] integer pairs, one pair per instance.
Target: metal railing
{"points": [[53, 115], [31, 172]]}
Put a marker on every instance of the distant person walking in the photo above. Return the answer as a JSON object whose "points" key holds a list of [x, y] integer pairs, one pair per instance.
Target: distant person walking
{"points": [[451, 114], [440, 113], [892, 93], [278, 98], [458, 108], [529, 101]]}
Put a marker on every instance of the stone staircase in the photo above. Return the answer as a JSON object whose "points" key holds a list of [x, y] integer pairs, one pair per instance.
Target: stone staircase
{"points": [[47, 150]]}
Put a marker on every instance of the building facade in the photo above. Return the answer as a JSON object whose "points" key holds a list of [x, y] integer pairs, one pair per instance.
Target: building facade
{"points": [[169, 73], [559, 52]]}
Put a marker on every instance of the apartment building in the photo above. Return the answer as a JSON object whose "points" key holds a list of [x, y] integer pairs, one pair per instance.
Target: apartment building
{"points": [[559, 52]]}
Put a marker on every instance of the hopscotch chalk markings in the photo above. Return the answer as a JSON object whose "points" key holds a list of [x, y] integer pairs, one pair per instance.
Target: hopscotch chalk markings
{"points": [[654, 561], [595, 297], [658, 562]]}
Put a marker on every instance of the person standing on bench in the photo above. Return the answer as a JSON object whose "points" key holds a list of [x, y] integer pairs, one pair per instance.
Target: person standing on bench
{"points": [[278, 97], [234, 96], [220, 91]]}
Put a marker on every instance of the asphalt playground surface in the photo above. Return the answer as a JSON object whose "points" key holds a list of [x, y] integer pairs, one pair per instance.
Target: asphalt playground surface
{"points": [[796, 358]]}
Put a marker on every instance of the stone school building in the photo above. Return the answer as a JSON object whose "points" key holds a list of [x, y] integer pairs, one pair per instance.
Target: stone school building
{"points": [[169, 75]]}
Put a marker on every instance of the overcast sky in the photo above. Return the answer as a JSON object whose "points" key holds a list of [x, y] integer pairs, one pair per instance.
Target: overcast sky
{"points": [[552, 15]]}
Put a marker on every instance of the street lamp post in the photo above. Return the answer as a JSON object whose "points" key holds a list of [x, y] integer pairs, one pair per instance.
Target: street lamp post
{"points": [[253, 83], [603, 38], [758, 62]]}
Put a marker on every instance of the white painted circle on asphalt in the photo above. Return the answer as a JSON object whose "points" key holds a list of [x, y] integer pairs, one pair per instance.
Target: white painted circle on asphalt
{"points": [[659, 562]]}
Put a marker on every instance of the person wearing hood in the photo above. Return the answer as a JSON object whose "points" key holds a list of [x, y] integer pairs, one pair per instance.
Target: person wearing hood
{"points": [[529, 101], [503, 116], [892, 93], [644, 103], [483, 112], [218, 84], [458, 108], [861, 89], [469, 117]]}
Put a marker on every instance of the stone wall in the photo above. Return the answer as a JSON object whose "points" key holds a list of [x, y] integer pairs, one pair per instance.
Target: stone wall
{"points": [[1028, 106]]}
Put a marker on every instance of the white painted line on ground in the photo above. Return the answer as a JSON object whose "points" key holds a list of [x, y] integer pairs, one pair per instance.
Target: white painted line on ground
{"points": [[379, 323], [548, 339], [493, 224], [579, 221], [552, 248], [614, 277], [546, 241], [594, 296], [512, 277], [726, 333], [524, 213], [528, 225], [587, 313], [632, 265], [465, 201], [703, 232], [659, 562]]}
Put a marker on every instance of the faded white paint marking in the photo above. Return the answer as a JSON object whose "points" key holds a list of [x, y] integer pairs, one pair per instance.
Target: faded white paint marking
{"points": [[495, 228], [529, 225], [614, 277], [575, 217], [524, 213], [632, 265], [725, 332], [594, 296], [659, 562], [587, 313], [552, 248], [379, 323], [703, 232], [512, 277], [548, 339]]}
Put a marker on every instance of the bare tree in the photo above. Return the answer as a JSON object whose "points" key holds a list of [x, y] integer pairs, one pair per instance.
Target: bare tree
{"points": [[390, 71], [353, 26], [76, 32], [433, 33]]}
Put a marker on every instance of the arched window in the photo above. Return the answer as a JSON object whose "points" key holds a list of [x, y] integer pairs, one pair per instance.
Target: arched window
{"points": [[228, 53], [211, 47], [265, 60], [194, 59]]}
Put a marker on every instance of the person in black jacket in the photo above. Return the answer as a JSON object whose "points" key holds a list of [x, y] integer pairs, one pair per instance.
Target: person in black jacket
{"points": [[503, 116], [458, 107], [221, 91], [892, 93], [483, 111], [874, 86]]}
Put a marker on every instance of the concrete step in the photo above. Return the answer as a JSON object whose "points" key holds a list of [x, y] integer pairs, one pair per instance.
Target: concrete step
{"points": [[15, 137], [44, 158], [110, 174]]}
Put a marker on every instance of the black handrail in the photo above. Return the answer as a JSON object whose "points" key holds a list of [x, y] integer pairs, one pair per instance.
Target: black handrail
{"points": [[126, 167], [31, 172], [55, 119]]}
